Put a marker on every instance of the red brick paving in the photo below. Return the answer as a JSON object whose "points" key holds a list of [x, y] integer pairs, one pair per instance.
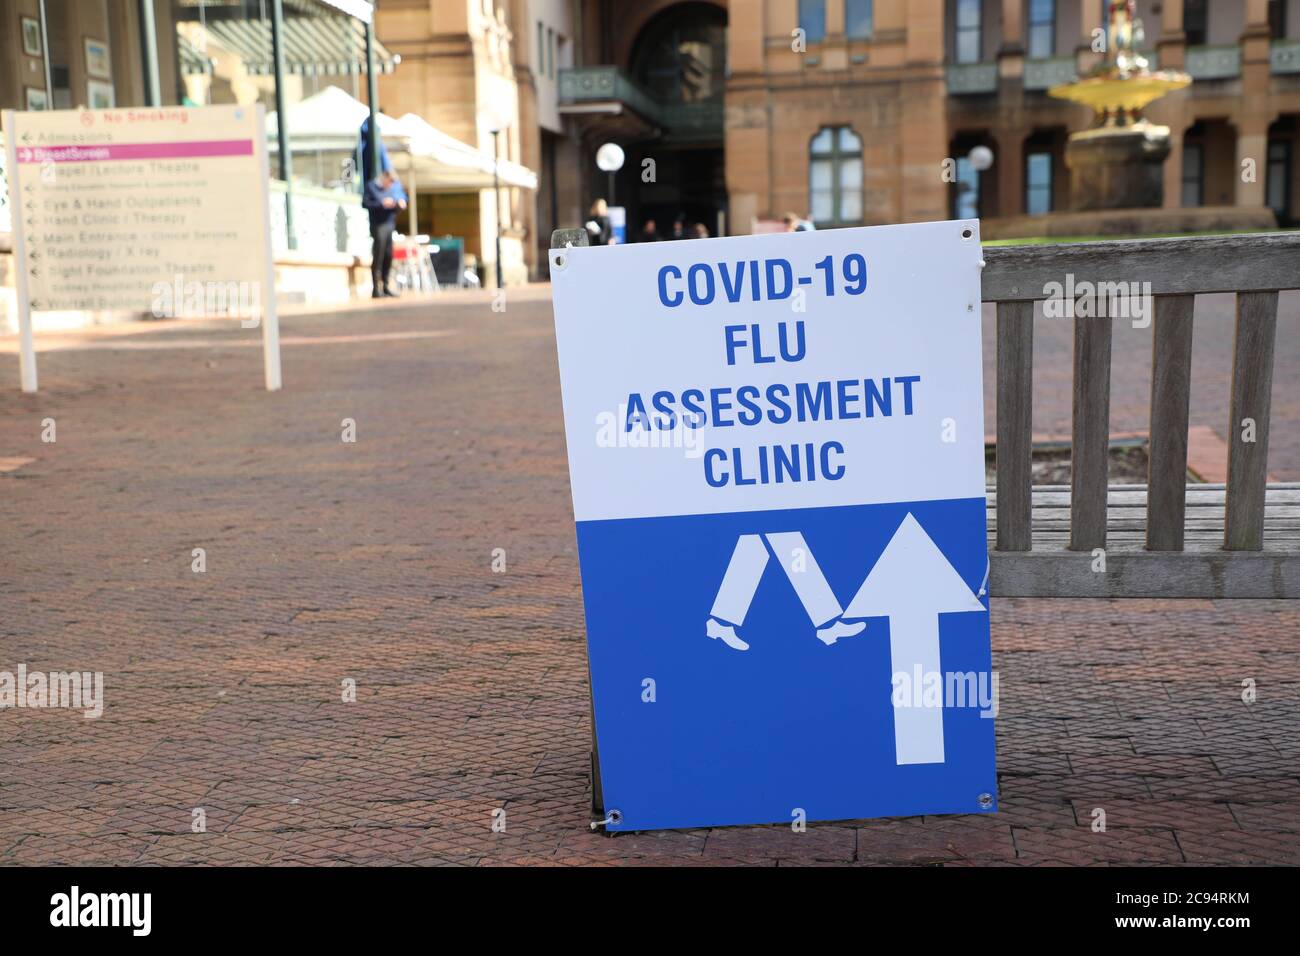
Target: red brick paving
{"points": [[371, 561], [1130, 399]]}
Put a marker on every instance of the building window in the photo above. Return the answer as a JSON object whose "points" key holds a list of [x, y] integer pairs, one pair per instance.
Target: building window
{"points": [[968, 39], [1038, 183], [1277, 19], [541, 48], [1042, 29], [550, 53], [835, 177], [857, 19], [812, 20], [1278, 179], [1195, 20], [1193, 174]]}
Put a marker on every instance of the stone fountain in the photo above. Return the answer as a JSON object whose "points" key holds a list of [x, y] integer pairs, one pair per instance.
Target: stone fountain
{"points": [[1117, 163]]}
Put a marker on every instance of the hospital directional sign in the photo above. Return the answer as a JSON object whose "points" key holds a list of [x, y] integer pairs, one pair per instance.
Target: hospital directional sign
{"points": [[776, 449], [161, 211]]}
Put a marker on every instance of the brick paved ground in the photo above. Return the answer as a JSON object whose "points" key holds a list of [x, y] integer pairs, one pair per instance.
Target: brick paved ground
{"points": [[370, 561]]}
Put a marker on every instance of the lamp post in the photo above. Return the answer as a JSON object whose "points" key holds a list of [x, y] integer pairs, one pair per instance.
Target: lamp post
{"points": [[496, 202], [494, 121], [149, 29], [610, 160], [371, 162]]}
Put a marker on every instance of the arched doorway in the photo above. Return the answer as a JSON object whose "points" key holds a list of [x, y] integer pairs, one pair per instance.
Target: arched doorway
{"points": [[1281, 181], [680, 56], [678, 60]]}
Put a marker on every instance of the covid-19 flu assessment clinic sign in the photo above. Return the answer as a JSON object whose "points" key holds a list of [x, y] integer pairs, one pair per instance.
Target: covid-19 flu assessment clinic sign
{"points": [[776, 446]]}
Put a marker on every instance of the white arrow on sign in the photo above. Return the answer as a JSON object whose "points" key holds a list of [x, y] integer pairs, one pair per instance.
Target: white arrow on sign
{"points": [[912, 584]]}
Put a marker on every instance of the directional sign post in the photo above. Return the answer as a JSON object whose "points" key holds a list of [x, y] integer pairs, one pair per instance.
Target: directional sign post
{"points": [[776, 448], [161, 211]]}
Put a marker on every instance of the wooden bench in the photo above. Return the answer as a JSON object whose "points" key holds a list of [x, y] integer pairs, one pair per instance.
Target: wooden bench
{"points": [[1165, 538]]}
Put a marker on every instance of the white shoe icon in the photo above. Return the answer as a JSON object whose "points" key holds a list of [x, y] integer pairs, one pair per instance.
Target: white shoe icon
{"points": [[727, 634], [833, 631]]}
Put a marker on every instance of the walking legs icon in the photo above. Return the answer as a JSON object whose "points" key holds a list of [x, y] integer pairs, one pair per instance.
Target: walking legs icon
{"points": [[745, 570], [911, 584]]}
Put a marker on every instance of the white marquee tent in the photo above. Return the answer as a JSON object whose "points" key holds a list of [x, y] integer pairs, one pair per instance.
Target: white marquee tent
{"points": [[423, 156]]}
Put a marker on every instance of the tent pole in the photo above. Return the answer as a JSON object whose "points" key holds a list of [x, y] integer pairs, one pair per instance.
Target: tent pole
{"points": [[372, 94], [282, 120], [45, 58], [414, 206]]}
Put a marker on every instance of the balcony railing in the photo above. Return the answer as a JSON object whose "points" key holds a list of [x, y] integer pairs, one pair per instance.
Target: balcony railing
{"points": [[692, 118], [598, 83], [1214, 62], [970, 78], [1053, 71], [1284, 56], [595, 84]]}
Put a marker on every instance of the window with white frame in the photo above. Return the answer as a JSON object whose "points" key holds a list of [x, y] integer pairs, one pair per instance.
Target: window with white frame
{"points": [[812, 20], [857, 19], [1193, 178], [1042, 29], [835, 177], [1278, 178], [1196, 21], [968, 39], [1038, 183]]}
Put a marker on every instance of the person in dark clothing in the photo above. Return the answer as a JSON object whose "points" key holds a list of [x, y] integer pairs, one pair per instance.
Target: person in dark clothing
{"points": [[649, 231], [367, 167], [598, 226], [679, 229], [384, 197]]}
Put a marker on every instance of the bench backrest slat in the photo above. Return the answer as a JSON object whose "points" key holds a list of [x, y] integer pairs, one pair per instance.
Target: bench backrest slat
{"points": [[1171, 377], [1014, 449], [1252, 383], [1244, 263], [1090, 433]]}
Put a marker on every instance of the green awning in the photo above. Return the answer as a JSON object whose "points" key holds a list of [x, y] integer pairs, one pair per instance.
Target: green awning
{"points": [[313, 46], [193, 61]]}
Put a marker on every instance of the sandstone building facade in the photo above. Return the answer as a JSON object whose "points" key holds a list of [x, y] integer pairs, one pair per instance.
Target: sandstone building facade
{"points": [[844, 111]]}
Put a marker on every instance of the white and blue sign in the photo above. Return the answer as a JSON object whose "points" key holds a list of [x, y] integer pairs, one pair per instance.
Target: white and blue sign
{"points": [[776, 447], [618, 224]]}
